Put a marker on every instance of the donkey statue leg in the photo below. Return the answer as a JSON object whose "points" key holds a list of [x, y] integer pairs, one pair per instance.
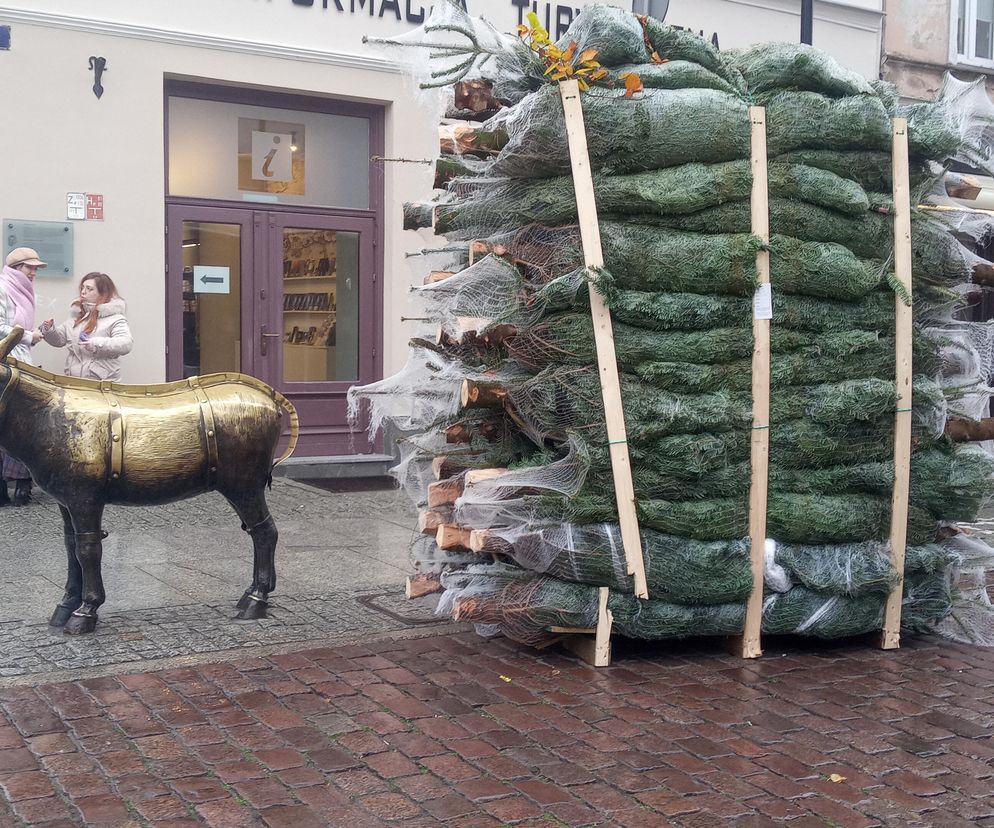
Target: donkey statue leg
{"points": [[73, 595], [256, 520], [89, 551]]}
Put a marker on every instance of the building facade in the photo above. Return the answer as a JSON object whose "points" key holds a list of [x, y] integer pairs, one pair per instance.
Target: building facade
{"points": [[230, 164], [923, 39]]}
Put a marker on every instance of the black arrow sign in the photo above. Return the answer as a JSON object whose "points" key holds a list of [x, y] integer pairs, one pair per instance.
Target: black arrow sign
{"points": [[217, 280]]}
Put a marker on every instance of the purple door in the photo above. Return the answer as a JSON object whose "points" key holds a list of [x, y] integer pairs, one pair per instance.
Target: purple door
{"points": [[287, 297]]}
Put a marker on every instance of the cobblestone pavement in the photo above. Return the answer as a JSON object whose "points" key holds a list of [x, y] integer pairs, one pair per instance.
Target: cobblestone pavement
{"points": [[172, 575], [462, 731]]}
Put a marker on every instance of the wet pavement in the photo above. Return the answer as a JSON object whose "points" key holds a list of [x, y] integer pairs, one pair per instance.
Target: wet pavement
{"points": [[173, 573], [351, 706], [456, 730]]}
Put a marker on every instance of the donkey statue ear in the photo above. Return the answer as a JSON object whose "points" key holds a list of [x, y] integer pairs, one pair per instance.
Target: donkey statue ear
{"points": [[9, 342]]}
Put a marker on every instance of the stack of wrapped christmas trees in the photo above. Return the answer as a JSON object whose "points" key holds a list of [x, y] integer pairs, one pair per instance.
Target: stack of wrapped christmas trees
{"points": [[503, 439]]}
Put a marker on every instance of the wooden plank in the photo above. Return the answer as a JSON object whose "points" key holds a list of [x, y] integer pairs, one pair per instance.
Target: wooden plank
{"points": [[890, 637], [749, 644], [607, 361], [593, 649]]}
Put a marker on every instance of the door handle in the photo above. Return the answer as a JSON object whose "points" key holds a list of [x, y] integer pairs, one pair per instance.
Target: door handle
{"points": [[263, 340]]}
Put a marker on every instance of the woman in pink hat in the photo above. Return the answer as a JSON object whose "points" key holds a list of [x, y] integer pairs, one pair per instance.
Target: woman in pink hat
{"points": [[17, 307]]}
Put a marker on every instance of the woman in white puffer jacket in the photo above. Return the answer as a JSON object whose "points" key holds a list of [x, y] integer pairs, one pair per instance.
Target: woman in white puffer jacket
{"points": [[96, 332]]}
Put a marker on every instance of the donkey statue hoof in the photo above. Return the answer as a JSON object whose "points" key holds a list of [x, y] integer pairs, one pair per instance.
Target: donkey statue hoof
{"points": [[254, 609], [244, 601], [80, 624], [60, 616]]}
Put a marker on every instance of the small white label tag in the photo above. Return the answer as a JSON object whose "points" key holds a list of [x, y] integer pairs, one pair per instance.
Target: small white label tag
{"points": [[762, 302]]}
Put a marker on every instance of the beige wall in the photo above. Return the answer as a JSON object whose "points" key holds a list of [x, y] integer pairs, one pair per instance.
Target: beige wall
{"points": [[916, 45], [849, 31], [114, 146]]}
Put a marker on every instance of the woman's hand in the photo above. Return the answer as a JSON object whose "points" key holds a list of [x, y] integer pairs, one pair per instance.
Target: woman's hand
{"points": [[36, 337]]}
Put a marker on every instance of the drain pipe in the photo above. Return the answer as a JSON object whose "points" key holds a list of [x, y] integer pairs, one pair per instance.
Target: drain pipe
{"points": [[807, 15]]}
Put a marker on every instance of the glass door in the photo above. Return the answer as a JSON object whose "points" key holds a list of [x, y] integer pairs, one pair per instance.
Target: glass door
{"points": [[323, 284], [289, 298], [208, 291]]}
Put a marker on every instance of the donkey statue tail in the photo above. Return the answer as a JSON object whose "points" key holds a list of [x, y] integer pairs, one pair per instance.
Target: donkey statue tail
{"points": [[294, 425]]}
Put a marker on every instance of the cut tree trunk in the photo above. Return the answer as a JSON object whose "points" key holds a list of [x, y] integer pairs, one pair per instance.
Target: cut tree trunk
{"points": [[970, 431], [424, 584]]}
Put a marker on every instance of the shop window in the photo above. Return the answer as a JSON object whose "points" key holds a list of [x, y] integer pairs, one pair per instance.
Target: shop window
{"points": [[974, 27], [240, 152]]}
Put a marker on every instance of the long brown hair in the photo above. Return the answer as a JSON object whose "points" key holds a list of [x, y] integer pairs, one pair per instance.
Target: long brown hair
{"points": [[105, 291]]}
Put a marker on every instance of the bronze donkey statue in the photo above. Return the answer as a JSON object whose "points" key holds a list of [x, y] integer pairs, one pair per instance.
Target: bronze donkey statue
{"points": [[90, 443]]}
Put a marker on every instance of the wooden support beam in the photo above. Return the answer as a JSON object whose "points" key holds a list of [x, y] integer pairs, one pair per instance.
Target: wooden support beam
{"points": [[890, 637], [607, 361], [438, 276], [423, 584], [749, 644], [594, 649]]}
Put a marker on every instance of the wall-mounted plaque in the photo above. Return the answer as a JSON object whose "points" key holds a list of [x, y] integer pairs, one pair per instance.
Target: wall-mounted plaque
{"points": [[52, 240]]}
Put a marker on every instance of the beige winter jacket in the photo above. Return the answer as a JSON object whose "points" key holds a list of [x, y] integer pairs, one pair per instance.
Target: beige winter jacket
{"points": [[109, 341]]}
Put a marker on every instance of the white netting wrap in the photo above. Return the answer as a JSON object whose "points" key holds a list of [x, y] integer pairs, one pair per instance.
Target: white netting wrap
{"points": [[504, 445]]}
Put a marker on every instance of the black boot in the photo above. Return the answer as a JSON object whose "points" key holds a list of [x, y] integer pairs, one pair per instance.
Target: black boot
{"points": [[22, 492], [4, 496]]}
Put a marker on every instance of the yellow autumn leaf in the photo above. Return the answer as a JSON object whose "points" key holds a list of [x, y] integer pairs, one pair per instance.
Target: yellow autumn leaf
{"points": [[587, 55], [633, 84], [505, 678], [836, 778]]}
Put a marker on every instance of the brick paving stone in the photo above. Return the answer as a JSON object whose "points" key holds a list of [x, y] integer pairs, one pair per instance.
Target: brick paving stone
{"points": [[390, 806], [279, 758], [422, 787], [358, 782], [227, 814], [199, 789], [512, 809], [391, 764], [597, 745], [914, 784], [26, 785], [102, 810], [332, 759], [483, 788], [448, 807], [48, 810], [575, 814], [263, 793], [291, 816], [162, 808]]}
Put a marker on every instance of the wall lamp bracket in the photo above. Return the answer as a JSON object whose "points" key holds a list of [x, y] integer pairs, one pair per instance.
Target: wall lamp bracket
{"points": [[99, 66]]}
